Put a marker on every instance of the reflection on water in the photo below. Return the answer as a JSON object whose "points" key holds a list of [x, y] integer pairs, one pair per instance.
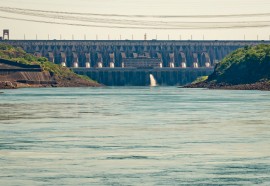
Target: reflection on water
{"points": [[134, 136]]}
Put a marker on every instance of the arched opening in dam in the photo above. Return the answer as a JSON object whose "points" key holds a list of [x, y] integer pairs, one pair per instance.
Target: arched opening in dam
{"points": [[205, 60]]}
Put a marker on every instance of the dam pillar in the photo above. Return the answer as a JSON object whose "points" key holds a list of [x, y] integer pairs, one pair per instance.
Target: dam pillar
{"points": [[38, 52], [100, 61], [183, 65], [111, 65], [63, 59], [159, 56], [112, 60], [87, 60], [183, 60], [51, 57], [87, 65], [205, 58], [195, 60], [123, 56], [99, 65], [75, 60], [172, 60], [171, 65]]}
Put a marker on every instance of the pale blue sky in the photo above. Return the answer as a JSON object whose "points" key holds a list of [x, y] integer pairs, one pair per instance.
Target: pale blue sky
{"points": [[143, 7]]}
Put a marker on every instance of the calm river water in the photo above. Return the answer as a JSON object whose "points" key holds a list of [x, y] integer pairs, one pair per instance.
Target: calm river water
{"points": [[134, 136]]}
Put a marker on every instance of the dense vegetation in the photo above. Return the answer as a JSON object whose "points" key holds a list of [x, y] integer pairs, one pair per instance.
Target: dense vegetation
{"points": [[244, 66], [19, 55]]}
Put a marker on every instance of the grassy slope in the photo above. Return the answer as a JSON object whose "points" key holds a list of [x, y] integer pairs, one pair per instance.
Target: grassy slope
{"points": [[18, 55], [244, 66]]}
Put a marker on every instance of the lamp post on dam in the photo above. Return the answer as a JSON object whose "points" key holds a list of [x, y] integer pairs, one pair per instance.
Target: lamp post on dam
{"points": [[129, 62]]}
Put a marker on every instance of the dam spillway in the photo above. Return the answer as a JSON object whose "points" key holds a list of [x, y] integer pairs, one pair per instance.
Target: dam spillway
{"points": [[129, 62], [140, 77]]}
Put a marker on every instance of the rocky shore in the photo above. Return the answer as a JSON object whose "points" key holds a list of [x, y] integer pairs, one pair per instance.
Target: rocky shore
{"points": [[13, 83], [24, 79], [7, 85], [264, 85]]}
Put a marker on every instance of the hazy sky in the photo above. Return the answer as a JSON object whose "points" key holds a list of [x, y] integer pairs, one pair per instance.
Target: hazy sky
{"points": [[138, 7]]}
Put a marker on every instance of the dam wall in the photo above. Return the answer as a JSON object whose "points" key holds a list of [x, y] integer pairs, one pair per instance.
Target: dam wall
{"points": [[130, 62], [92, 53], [141, 77]]}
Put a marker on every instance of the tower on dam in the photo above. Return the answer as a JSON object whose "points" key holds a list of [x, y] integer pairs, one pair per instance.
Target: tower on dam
{"points": [[5, 35], [104, 59]]}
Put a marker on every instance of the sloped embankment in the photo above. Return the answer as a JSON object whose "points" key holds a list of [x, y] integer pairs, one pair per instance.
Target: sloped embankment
{"points": [[28, 79], [20, 69], [24, 78]]}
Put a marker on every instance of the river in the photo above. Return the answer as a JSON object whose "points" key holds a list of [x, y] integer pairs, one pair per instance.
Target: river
{"points": [[134, 136]]}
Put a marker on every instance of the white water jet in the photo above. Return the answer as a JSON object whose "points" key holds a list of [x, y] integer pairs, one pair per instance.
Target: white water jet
{"points": [[153, 81]]}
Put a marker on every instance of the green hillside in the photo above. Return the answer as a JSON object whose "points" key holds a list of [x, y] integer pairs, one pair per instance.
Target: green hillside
{"points": [[15, 54], [244, 66]]}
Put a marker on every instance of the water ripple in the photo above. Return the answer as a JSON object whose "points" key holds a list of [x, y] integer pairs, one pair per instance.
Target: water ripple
{"points": [[134, 136]]}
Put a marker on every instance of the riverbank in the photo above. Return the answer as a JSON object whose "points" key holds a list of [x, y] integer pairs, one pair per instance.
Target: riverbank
{"points": [[265, 86], [7, 85], [42, 79]]}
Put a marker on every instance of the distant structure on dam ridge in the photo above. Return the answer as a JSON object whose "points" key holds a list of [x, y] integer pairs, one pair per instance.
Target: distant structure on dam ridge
{"points": [[105, 60]]}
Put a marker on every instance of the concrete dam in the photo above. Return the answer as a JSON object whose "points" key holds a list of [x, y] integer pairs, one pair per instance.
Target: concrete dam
{"points": [[130, 62]]}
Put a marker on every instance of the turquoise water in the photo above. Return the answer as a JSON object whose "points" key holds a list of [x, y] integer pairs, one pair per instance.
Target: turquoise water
{"points": [[134, 136]]}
